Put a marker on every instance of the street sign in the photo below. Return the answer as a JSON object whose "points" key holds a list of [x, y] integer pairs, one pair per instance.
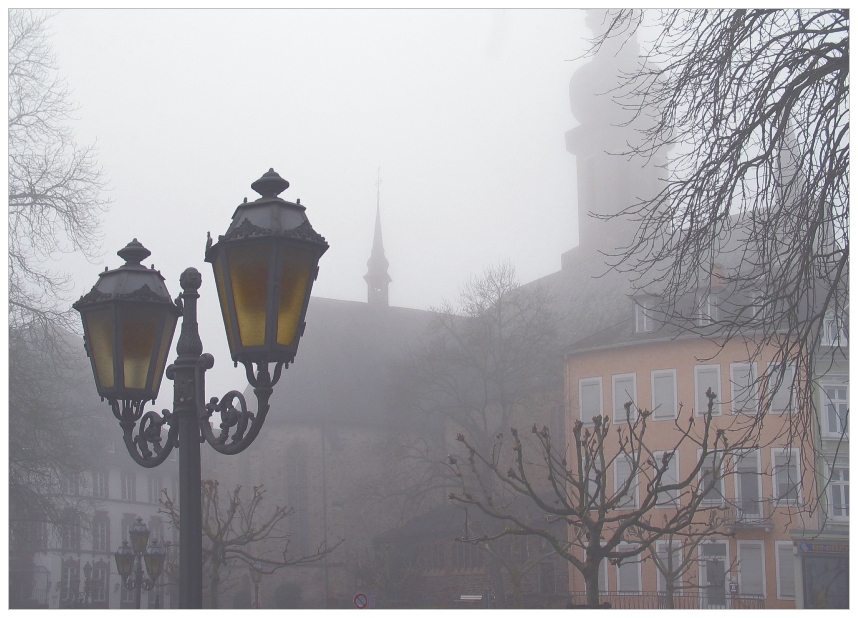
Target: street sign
{"points": [[360, 600]]}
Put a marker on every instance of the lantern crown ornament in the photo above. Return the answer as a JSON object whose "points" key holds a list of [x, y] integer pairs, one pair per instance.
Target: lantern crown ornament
{"points": [[128, 321], [264, 268]]}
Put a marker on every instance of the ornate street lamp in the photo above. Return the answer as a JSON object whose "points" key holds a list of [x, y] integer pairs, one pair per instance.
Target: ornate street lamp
{"points": [[129, 557], [256, 578], [264, 269], [90, 587]]}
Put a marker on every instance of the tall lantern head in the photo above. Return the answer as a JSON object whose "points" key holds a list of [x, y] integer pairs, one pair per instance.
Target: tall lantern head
{"points": [[264, 268], [128, 323]]}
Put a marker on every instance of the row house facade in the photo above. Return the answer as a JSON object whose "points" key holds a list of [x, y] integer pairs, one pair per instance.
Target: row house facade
{"points": [[782, 499], [109, 499]]}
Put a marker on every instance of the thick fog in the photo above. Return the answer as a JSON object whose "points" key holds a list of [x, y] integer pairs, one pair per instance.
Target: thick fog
{"points": [[464, 112]]}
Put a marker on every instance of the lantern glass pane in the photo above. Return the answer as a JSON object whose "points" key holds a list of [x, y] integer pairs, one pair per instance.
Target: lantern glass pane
{"points": [[164, 350], [224, 305], [139, 329], [99, 326], [295, 270], [248, 273]]}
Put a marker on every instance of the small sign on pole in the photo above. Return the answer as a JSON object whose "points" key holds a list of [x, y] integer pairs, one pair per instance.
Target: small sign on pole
{"points": [[361, 601]]}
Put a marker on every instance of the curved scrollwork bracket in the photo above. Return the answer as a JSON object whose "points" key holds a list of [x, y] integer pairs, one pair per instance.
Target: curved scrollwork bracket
{"points": [[145, 447], [239, 426]]}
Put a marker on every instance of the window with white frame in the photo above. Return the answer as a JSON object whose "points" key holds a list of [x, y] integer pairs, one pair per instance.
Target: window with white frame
{"points": [[748, 484], [624, 390], [714, 559], [623, 467], [838, 493], [785, 476], [154, 483], [752, 568], [664, 393], [628, 572], [590, 398], [707, 377], [643, 315], [129, 492], [835, 404], [785, 569], [99, 484], [669, 565], [99, 574], [711, 479], [743, 386], [668, 498], [780, 389], [101, 532]]}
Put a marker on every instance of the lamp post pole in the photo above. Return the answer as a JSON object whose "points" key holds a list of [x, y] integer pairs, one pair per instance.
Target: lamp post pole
{"points": [[187, 374], [264, 268], [256, 577]]}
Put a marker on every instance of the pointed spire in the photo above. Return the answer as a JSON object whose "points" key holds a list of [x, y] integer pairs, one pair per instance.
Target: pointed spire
{"points": [[377, 278]]}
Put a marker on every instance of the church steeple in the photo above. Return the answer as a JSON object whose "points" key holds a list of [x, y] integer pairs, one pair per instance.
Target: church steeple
{"points": [[377, 279]]}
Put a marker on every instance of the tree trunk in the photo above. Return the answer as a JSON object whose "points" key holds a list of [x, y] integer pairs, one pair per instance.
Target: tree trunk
{"points": [[214, 583], [591, 581]]}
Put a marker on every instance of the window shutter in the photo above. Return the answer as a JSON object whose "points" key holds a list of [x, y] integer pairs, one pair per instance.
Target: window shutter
{"points": [[590, 401], [786, 573], [624, 391], [751, 568], [707, 377], [663, 396]]}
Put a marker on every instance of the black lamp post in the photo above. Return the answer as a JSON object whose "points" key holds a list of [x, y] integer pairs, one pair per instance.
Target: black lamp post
{"points": [[264, 269], [129, 557], [256, 578]]}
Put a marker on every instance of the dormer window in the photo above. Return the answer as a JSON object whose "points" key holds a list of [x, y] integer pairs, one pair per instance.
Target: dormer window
{"points": [[708, 311], [643, 315], [833, 332]]}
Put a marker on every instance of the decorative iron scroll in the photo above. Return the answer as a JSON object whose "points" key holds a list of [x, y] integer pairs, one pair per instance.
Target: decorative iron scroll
{"points": [[128, 413]]}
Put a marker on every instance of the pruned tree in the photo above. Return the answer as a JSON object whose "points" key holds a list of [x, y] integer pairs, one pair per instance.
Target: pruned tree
{"points": [[240, 533], [600, 524], [748, 238]]}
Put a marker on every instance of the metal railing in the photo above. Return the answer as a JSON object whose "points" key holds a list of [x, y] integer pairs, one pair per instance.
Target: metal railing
{"points": [[685, 600]]}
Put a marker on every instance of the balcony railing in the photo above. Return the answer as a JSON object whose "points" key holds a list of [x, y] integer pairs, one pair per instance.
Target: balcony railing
{"points": [[754, 515], [687, 600]]}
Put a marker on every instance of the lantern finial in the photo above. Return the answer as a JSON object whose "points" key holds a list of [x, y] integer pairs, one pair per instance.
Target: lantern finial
{"points": [[270, 184], [133, 253]]}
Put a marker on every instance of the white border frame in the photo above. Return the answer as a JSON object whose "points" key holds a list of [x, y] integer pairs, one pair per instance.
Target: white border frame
{"points": [[722, 490], [835, 381], [701, 562], [635, 486], [637, 562], [736, 485]]}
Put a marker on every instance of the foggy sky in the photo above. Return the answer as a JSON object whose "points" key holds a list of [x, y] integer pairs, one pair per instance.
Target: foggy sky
{"points": [[464, 111]]}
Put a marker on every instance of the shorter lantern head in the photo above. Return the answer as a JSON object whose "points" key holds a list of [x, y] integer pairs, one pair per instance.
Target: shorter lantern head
{"points": [[87, 570], [139, 534], [154, 559], [124, 560], [256, 572], [264, 269], [128, 323]]}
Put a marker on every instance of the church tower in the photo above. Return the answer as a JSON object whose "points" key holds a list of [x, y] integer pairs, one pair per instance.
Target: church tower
{"points": [[377, 279], [608, 181]]}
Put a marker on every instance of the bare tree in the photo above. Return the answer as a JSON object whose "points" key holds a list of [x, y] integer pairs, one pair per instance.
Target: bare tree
{"points": [[55, 185], [489, 361], [602, 525], [749, 237], [240, 533]]}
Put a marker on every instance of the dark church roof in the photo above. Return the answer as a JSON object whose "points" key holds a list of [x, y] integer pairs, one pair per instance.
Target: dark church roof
{"points": [[342, 371]]}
